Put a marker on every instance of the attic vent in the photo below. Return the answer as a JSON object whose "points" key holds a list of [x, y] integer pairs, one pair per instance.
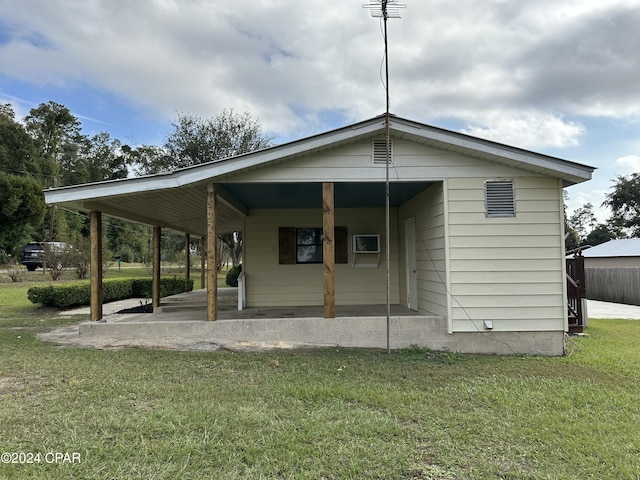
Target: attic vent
{"points": [[380, 151], [500, 198]]}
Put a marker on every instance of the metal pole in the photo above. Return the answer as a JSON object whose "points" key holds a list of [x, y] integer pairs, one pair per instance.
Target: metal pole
{"points": [[387, 189]]}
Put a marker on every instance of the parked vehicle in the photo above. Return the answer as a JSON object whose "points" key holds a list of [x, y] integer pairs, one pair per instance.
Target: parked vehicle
{"points": [[33, 253]]}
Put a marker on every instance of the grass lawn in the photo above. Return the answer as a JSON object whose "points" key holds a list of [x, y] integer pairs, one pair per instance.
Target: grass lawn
{"points": [[323, 413]]}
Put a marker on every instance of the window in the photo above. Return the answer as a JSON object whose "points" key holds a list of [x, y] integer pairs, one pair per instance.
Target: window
{"points": [[308, 245], [500, 198], [304, 245]]}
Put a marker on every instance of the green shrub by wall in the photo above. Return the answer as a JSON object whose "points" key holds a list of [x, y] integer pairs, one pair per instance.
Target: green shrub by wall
{"points": [[232, 276], [79, 294]]}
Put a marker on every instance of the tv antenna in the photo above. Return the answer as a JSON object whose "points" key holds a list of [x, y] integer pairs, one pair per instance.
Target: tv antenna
{"points": [[385, 9]]}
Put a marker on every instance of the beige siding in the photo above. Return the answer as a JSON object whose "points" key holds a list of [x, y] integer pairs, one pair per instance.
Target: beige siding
{"points": [[354, 162], [428, 210], [271, 284], [509, 270]]}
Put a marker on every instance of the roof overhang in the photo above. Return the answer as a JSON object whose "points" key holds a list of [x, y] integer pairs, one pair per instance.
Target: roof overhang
{"points": [[177, 200]]}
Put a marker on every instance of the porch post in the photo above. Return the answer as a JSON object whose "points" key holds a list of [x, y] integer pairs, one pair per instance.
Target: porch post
{"points": [[328, 250], [187, 256], [212, 270], [203, 262], [155, 288], [95, 227]]}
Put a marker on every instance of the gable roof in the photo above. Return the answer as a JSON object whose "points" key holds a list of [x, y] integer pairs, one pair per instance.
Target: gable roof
{"points": [[182, 206], [627, 247]]}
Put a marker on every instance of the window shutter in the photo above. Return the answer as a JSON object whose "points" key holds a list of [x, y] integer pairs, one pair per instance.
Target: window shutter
{"points": [[287, 245], [380, 151], [341, 245], [500, 198]]}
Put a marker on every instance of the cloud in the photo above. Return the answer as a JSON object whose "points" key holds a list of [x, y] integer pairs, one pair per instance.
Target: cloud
{"points": [[528, 129], [516, 72], [628, 164]]}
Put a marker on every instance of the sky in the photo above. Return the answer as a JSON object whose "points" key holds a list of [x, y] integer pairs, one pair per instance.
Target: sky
{"points": [[556, 77]]}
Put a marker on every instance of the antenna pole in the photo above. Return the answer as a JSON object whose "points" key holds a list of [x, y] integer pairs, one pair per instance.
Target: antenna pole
{"points": [[387, 187], [379, 8]]}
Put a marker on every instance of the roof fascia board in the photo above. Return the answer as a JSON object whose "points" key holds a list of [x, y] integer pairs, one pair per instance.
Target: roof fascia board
{"points": [[467, 143], [109, 188]]}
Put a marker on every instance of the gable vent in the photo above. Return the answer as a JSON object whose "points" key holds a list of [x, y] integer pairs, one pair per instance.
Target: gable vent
{"points": [[380, 151], [500, 198]]}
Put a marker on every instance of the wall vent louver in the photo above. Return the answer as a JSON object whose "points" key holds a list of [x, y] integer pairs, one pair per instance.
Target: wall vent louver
{"points": [[380, 151], [500, 198]]}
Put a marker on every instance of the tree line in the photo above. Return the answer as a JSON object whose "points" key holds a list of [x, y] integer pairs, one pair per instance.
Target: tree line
{"points": [[47, 149]]}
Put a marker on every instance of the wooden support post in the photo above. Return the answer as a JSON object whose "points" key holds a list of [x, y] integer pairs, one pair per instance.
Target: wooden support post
{"points": [[187, 256], [203, 262], [328, 250], [155, 287], [212, 261], [95, 221]]}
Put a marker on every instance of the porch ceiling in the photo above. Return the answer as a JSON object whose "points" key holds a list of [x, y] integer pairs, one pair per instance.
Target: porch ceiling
{"points": [[309, 195], [184, 209]]}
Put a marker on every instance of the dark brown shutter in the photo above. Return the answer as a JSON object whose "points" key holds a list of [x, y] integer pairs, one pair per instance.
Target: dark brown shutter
{"points": [[287, 245], [341, 245]]}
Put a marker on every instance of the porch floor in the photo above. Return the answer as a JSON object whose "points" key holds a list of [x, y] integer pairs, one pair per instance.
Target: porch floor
{"points": [[191, 306], [181, 321]]}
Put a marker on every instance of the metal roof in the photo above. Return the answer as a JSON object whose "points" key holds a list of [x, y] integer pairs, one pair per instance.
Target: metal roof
{"points": [[628, 247]]}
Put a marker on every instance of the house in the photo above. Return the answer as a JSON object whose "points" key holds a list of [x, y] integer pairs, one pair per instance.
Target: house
{"points": [[476, 240], [612, 271]]}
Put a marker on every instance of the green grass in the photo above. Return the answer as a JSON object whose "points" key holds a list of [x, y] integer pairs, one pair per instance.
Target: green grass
{"points": [[324, 413]]}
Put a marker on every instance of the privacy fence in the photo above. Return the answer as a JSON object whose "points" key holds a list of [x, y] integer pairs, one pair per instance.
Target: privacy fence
{"points": [[619, 285]]}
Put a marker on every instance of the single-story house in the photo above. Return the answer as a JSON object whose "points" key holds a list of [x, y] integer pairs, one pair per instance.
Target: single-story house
{"points": [[612, 271], [475, 241]]}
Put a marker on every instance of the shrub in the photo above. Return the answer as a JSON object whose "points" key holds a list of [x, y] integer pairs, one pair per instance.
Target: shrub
{"points": [[232, 276], [78, 294]]}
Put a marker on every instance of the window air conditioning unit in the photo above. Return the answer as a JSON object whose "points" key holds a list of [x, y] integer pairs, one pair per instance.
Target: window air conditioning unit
{"points": [[369, 243]]}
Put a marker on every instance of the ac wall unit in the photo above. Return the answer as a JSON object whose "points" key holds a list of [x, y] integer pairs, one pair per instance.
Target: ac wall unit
{"points": [[368, 243]]}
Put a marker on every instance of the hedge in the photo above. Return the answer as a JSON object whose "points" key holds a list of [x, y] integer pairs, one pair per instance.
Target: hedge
{"points": [[79, 294]]}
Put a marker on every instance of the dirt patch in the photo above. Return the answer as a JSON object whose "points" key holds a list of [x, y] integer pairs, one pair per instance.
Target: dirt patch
{"points": [[12, 384]]}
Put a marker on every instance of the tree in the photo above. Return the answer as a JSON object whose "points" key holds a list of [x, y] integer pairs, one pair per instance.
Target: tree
{"points": [[18, 155], [52, 126], [583, 220], [600, 234], [145, 159], [21, 207], [624, 202], [56, 132], [197, 140], [94, 159]]}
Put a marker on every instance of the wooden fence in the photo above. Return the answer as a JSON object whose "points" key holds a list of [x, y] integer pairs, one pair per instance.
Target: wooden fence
{"points": [[619, 285]]}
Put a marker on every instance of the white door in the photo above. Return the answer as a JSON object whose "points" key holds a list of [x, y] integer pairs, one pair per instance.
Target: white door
{"points": [[412, 264]]}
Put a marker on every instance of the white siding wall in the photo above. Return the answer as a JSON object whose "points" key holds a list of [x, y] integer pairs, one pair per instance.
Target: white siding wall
{"points": [[272, 284], [509, 270], [411, 162], [428, 210]]}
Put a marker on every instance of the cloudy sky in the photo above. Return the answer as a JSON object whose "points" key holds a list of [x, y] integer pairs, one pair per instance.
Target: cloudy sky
{"points": [[560, 77]]}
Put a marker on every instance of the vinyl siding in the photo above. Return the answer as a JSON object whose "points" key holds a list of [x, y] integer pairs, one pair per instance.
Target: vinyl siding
{"points": [[428, 210], [411, 162], [509, 270], [272, 284]]}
